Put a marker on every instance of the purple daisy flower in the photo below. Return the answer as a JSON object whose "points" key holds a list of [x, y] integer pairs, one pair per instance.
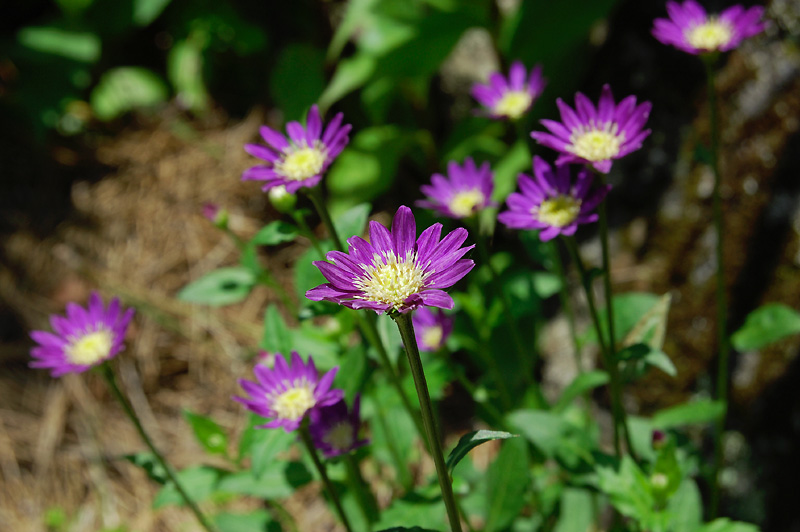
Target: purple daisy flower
{"points": [[690, 29], [300, 161], [334, 431], [431, 328], [394, 271], [510, 99], [465, 191], [83, 338], [596, 136], [288, 391], [550, 202]]}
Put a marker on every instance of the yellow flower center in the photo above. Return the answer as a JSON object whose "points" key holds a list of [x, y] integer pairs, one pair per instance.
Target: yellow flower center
{"points": [[432, 336], [711, 35], [513, 104], [340, 436], [90, 348], [463, 203], [596, 144], [294, 402], [391, 279], [559, 211], [301, 162]]}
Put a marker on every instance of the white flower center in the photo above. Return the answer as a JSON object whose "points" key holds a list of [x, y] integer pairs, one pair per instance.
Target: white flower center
{"points": [[90, 348], [558, 211], [711, 35], [302, 162], [513, 104], [432, 336], [294, 402], [596, 144], [340, 436], [463, 203], [392, 280]]}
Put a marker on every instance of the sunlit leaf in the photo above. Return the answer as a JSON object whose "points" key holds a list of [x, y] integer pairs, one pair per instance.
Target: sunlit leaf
{"points": [[277, 337], [219, 287], [766, 325], [76, 45], [693, 413], [146, 11], [210, 435], [470, 441], [255, 521], [542, 428], [507, 483], [199, 482], [583, 383]]}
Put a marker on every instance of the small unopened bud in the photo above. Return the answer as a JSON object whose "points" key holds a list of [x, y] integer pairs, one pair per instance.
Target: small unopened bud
{"points": [[659, 439], [283, 201], [216, 215], [659, 481], [265, 358]]}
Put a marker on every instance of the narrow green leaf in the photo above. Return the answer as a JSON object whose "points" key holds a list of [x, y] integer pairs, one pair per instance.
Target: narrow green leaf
{"points": [[277, 337], [351, 74], [146, 11], [507, 483], [75, 45], [472, 440], [208, 433], [275, 233], [220, 287], [542, 428], [582, 384], [765, 325], [696, 412], [150, 464]]}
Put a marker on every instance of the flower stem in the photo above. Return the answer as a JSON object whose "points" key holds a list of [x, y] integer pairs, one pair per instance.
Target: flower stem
{"points": [[563, 295], [406, 329], [108, 375], [300, 220], [319, 204], [305, 435], [609, 357], [722, 299], [366, 500]]}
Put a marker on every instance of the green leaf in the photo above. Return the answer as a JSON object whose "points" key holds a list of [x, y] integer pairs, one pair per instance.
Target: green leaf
{"points": [[124, 89], [404, 529], [277, 337], [582, 384], [413, 508], [275, 233], [220, 287], [516, 160], [577, 514], [75, 45], [651, 328], [297, 79], [150, 464], [351, 74], [542, 428], [279, 481], [208, 433], [306, 275], [696, 412], [507, 483], [199, 482], [685, 507], [146, 11], [628, 309], [470, 441], [629, 489], [185, 73], [353, 221], [724, 524], [765, 325], [255, 521]]}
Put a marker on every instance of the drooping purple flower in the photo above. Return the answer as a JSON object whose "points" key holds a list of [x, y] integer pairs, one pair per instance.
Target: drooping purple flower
{"points": [[287, 392], [465, 191], [395, 271], [334, 431], [85, 337], [432, 328], [551, 202], [596, 136], [510, 98], [690, 29], [299, 161]]}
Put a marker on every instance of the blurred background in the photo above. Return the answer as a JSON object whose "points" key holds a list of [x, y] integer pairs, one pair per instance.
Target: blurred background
{"points": [[120, 119]]}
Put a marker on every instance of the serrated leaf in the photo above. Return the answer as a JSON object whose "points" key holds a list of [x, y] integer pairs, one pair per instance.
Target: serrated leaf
{"points": [[696, 412], [582, 384], [210, 435], [220, 287], [467, 442], [765, 325]]}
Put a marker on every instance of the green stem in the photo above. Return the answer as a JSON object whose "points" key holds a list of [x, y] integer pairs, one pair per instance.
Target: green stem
{"points": [[609, 359], [406, 329], [366, 500], [722, 299], [108, 374], [563, 295], [319, 204], [300, 220], [305, 435]]}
